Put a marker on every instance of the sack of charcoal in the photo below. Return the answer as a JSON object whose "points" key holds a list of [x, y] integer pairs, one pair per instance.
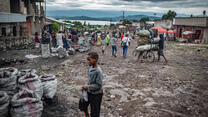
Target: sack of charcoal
{"points": [[143, 33], [142, 40], [49, 83], [31, 82], [4, 104], [26, 71], [62, 53], [26, 103], [8, 80]]}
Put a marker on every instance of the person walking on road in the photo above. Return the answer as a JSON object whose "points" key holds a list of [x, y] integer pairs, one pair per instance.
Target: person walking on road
{"points": [[37, 42], [114, 45], [161, 47], [103, 42], [54, 42], [125, 44], [94, 86], [60, 39], [107, 40]]}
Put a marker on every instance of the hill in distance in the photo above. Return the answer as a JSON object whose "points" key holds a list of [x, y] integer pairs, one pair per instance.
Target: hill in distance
{"points": [[103, 15]]}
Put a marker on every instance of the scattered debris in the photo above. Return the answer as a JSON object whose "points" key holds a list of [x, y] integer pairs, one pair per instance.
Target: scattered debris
{"points": [[31, 56]]}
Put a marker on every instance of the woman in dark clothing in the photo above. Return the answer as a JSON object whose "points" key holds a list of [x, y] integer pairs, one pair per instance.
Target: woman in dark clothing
{"points": [[54, 41], [161, 47], [66, 46], [37, 42]]}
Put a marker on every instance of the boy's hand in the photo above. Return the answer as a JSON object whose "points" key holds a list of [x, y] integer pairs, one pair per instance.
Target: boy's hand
{"points": [[85, 87]]}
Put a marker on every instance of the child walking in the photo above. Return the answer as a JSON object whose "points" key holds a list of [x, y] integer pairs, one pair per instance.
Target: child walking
{"points": [[94, 86], [161, 47]]}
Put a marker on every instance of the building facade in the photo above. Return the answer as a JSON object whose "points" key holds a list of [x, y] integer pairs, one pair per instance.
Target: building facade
{"points": [[19, 20], [197, 25], [166, 24]]}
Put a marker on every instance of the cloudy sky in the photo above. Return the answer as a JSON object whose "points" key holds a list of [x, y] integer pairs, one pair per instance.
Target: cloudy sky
{"points": [[161, 6]]}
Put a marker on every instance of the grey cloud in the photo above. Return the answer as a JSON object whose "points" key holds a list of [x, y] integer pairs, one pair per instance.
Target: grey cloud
{"points": [[168, 3]]}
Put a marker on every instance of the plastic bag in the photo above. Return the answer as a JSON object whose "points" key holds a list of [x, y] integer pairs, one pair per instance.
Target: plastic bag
{"points": [[8, 80], [62, 53], [31, 82], [71, 51], [85, 95], [83, 102], [45, 50], [4, 104], [26, 104], [49, 84]]}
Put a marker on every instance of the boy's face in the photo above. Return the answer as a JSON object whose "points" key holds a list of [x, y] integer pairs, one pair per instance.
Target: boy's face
{"points": [[91, 61]]}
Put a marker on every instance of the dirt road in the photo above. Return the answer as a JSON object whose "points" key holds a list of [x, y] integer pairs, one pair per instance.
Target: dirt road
{"points": [[179, 88]]}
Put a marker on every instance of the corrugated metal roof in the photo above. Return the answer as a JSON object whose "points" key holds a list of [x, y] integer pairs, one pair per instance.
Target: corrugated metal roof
{"points": [[11, 17], [54, 20]]}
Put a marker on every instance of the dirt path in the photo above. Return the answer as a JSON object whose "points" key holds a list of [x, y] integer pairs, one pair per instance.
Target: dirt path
{"points": [[179, 88], [146, 89]]}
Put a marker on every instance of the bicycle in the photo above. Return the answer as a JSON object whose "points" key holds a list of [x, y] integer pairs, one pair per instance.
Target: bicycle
{"points": [[147, 55]]}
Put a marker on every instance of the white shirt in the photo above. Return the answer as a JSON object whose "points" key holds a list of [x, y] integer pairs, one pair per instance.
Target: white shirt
{"points": [[126, 40], [59, 40]]}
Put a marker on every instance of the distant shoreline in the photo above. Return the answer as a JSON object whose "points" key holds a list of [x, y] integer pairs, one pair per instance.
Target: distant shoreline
{"points": [[94, 22]]}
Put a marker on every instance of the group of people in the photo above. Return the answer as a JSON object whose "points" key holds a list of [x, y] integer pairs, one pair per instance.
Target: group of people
{"points": [[125, 43], [104, 39], [54, 39]]}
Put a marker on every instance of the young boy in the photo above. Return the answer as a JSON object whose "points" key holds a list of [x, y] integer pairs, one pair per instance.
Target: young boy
{"points": [[94, 85], [161, 47]]}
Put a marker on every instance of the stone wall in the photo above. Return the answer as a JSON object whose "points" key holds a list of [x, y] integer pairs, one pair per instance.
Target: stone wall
{"points": [[15, 42], [5, 6], [10, 43]]}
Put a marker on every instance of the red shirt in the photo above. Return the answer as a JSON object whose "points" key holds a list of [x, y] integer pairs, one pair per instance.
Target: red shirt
{"points": [[122, 36]]}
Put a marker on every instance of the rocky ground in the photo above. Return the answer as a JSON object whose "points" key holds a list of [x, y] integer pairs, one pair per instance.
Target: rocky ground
{"points": [[132, 89]]}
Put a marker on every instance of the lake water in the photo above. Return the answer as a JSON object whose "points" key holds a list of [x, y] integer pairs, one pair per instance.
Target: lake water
{"points": [[91, 22]]}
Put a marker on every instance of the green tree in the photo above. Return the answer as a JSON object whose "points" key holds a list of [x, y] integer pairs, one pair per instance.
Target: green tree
{"points": [[127, 22], [191, 15], [55, 27], [169, 16], [144, 19], [77, 24], [112, 25], [204, 12], [67, 21]]}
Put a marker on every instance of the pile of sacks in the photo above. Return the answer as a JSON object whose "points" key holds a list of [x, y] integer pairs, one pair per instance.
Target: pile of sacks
{"points": [[145, 43], [21, 92], [63, 52]]}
